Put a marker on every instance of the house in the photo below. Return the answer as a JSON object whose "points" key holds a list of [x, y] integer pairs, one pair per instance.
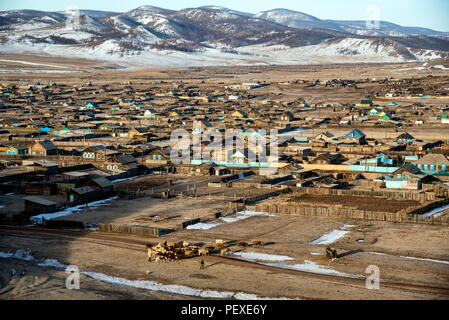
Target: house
{"points": [[121, 162], [241, 157], [374, 111], [101, 184], [149, 113], [158, 156], [384, 115], [82, 195], [405, 139], [355, 136], [406, 177], [201, 126], [379, 160], [365, 103], [296, 171], [286, 116], [43, 148], [97, 153], [16, 150], [435, 164], [253, 114], [328, 158], [105, 127], [239, 114], [174, 114], [324, 136]]}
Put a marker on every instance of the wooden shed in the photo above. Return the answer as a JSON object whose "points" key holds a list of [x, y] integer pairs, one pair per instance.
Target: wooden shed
{"points": [[36, 205]]}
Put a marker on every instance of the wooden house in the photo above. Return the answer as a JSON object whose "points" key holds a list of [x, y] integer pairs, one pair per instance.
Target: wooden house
{"points": [[436, 164], [406, 177], [43, 148], [97, 153], [328, 158], [158, 156], [405, 139], [355, 136], [16, 150]]}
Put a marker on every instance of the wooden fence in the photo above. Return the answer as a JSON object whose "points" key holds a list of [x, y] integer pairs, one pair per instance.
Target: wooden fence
{"points": [[129, 229], [421, 196], [348, 213]]}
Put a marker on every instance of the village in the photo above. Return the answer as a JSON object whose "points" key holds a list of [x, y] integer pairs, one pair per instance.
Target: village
{"points": [[363, 163]]}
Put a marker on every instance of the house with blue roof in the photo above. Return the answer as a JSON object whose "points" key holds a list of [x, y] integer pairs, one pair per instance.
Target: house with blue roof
{"points": [[355, 136]]}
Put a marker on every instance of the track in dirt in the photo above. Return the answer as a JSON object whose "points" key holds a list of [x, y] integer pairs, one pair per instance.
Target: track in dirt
{"points": [[114, 241]]}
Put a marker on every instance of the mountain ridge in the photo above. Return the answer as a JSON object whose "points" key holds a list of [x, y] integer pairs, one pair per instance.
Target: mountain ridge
{"points": [[219, 32]]}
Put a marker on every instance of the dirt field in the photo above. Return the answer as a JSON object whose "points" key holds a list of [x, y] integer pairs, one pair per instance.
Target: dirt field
{"points": [[125, 257], [359, 203]]}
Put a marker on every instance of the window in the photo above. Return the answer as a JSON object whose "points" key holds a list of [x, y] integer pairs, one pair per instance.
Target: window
{"points": [[419, 166], [154, 157], [432, 167], [115, 167], [399, 176], [443, 167], [425, 167], [159, 158]]}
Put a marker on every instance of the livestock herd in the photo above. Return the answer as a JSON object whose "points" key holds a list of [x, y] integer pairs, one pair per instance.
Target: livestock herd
{"points": [[171, 251]]}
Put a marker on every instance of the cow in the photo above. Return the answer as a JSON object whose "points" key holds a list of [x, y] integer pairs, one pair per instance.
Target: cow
{"points": [[170, 245], [224, 251], [151, 252], [219, 241], [161, 250], [203, 252], [185, 244], [219, 245], [188, 252], [257, 243], [242, 244]]}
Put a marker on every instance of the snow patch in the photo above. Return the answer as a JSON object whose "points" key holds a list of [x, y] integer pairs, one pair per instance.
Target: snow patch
{"points": [[202, 226], [310, 266], [262, 256], [330, 237], [70, 210], [436, 212]]}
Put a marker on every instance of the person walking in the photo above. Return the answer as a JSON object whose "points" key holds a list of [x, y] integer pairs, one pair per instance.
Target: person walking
{"points": [[202, 265]]}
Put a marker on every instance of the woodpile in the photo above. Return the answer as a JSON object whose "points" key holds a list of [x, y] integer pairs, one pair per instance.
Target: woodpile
{"points": [[170, 251]]}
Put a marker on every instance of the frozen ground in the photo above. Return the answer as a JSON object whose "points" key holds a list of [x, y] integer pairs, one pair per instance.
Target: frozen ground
{"points": [[25, 255]]}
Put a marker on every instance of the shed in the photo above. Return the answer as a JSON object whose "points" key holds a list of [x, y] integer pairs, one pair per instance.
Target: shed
{"points": [[36, 205]]}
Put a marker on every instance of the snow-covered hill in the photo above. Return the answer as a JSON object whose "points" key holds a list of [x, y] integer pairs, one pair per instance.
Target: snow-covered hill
{"points": [[213, 35]]}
